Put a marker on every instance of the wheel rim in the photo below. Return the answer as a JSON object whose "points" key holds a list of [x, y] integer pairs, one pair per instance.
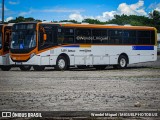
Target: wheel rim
{"points": [[123, 62], [61, 64]]}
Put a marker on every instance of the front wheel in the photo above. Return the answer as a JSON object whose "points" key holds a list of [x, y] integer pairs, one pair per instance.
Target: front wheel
{"points": [[25, 68], [38, 68], [61, 63], [5, 68]]}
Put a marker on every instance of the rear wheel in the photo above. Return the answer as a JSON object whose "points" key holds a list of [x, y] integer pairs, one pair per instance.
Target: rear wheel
{"points": [[61, 63], [5, 68], [122, 62], [25, 68], [99, 67], [38, 68]]}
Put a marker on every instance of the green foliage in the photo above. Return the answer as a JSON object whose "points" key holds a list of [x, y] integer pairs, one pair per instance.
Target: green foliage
{"points": [[134, 20], [22, 19], [72, 21], [92, 21]]}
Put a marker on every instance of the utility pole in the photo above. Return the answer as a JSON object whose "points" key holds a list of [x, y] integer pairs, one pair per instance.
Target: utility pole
{"points": [[2, 11]]}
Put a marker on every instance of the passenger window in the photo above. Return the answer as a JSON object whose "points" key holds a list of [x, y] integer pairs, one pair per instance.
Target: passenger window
{"points": [[65, 35], [115, 36], [129, 37], [83, 36], [99, 36], [143, 37]]}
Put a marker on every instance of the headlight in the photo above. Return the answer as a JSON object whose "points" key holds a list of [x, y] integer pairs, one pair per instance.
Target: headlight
{"points": [[32, 55]]}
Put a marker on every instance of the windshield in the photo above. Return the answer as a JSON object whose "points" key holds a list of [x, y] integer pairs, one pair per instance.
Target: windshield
{"points": [[0, 40], [23, 39]]}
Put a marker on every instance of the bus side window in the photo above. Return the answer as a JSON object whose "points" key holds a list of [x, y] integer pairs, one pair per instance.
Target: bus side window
{"points": [[99, 36], [144, 37], [129, 37], [152, 37], [65, 35], [83, 35], [115, 36]]}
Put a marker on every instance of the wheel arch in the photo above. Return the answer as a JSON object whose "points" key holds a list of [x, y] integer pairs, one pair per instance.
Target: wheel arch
{"points": [[67, 58], [124, 54]]}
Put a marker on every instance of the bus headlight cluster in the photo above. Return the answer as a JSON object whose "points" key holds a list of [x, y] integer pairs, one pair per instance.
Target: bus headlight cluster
{"points": [[32, 55]]}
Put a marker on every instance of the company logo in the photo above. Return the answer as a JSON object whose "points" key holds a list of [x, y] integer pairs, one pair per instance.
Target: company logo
{"points": [[6, 114]]}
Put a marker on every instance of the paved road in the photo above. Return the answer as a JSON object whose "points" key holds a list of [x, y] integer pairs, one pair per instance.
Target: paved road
{"points": [[77, 89]]}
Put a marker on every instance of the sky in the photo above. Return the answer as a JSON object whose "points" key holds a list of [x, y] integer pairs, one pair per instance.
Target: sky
{"points": [[56, 10]]}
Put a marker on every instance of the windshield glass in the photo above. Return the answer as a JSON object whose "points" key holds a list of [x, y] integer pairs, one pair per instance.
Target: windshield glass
{"points": [[23, 39], [0, 40]]}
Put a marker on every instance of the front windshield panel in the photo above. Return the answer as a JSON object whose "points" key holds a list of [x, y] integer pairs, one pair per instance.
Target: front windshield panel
{"points": [[23, 39], [0, 40]]}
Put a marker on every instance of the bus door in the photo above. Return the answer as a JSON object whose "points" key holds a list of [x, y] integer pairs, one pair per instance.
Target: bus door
{"points": [[7, 38], [47, 39]]}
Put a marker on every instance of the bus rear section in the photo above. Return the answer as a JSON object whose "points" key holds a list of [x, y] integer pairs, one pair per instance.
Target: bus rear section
{"points": [[63, 45], [5, 38]]}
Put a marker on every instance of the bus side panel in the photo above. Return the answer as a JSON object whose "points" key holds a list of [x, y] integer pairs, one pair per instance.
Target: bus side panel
{"points": [[45, 58], [1, 62], [115, 51], [133, 55], [4, 59], [99, 55], [147, 55]]}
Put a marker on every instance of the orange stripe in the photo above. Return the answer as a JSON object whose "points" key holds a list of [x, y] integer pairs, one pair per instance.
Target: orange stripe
{"points": [[103, 26]]}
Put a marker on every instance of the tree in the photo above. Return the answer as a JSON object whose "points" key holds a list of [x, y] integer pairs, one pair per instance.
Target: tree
{"points": [[92, 21], [131, 19], [72, 21], [155, 16], [22, 19]]}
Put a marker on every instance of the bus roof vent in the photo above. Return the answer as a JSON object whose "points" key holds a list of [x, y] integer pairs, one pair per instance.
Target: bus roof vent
{"points": [[84, 23], [45, 21], [112, 24], [66, 23]]}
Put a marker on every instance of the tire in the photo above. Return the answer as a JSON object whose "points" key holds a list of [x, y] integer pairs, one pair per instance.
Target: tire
{"points": [[122, 62], [61, 63], [25, 68], [99, 67], [38, 68], [5, 68]]}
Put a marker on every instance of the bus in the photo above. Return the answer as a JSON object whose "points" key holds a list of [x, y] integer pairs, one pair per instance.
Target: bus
{"points": [[63, 45], [5, 36]]}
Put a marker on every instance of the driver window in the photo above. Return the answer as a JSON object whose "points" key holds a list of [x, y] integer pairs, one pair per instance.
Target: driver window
{"points": [[7, 40], [48, 30]]}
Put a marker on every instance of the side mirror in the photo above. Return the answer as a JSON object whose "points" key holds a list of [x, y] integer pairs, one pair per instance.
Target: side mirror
{"points": [[44, 37]]}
